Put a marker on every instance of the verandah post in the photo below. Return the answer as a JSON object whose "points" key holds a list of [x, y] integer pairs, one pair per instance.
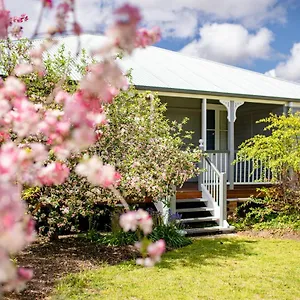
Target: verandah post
{"points": [[203, 140], [231, 144], [231, 107], [223, 199]]}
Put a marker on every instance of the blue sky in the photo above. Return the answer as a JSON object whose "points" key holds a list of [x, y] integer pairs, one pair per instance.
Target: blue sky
{"points": [[261, 35]]}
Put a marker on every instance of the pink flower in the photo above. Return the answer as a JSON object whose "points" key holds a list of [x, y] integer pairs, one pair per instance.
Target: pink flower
{"points": [[155, 250], [47, 3], [77, 29], [97, 173], [145, 262], [127, 14], [61, 97], [25, 274], [124, 29], [146, 37], [4, 23], [54, 173], [128, 221], [23, 69], [13, 87], [145, 221], [133, 219]]}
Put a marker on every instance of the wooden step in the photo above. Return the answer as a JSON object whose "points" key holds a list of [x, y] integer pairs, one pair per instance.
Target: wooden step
{"points": [[188, 194], [191, 200], [181, 210], [194, 220], [212, 229]]}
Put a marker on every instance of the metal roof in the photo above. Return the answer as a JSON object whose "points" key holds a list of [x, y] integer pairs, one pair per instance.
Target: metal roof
{"points": [[155, 68]]}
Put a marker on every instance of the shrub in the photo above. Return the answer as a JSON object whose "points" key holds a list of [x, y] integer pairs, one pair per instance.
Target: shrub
{"points": [[147, 150], [278, 151], [172, 233]]}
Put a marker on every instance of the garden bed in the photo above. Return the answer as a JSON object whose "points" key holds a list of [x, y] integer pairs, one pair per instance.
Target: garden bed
{"points": [[53, 260]]}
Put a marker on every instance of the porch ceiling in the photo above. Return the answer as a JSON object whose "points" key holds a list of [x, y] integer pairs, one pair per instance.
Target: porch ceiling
{"points": [[170, 72]]}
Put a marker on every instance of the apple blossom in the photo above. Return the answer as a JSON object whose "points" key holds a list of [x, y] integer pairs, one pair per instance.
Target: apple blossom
{"points": [[64, 132]]}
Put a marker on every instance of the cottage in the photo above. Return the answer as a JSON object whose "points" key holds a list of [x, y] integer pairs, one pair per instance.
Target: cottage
{"points": [[223, 104]]}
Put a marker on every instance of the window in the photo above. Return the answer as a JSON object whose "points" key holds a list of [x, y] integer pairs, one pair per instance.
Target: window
{"points": [[217, 129]]}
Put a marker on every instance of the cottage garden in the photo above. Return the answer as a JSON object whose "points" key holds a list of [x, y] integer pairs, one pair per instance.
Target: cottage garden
{"points": [[90, 157]]}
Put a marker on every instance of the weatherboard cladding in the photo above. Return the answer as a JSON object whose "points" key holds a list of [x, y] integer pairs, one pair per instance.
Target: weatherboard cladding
{"points": [[154, 68]]}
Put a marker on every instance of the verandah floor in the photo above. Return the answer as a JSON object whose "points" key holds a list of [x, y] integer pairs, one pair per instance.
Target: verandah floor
{"points": [[190, 190]]}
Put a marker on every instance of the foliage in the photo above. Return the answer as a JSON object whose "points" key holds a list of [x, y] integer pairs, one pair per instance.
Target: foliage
{"points": [[116, 238], [258, 214], [36, 139], [278, 151], [145, 148], [172, 233], [214, 268]]}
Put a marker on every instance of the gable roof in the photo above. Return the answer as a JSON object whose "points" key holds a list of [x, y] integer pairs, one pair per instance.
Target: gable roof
{"points": [[158, 69]]}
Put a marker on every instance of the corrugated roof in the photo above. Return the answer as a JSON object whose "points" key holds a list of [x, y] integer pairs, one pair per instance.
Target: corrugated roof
{"points": [[156, 68]]}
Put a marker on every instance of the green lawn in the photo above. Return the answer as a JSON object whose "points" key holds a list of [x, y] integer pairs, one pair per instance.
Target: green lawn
{"points": [[210, 268]]}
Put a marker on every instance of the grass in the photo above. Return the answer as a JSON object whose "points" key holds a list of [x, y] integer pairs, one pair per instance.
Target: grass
{"points": [[210, 268]]}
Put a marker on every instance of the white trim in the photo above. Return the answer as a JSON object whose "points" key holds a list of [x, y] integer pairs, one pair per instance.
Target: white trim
{"points": [[213, 97]]}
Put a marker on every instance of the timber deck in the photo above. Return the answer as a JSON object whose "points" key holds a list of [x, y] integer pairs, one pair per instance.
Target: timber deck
{"points": [[190, 190]]}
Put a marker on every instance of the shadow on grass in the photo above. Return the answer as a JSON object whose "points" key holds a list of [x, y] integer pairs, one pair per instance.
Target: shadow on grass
{"points": [[204, 251]]}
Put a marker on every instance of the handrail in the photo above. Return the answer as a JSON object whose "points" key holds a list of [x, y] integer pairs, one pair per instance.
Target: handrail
{"points": [[212, 165], [214, 189], [217, 151]]}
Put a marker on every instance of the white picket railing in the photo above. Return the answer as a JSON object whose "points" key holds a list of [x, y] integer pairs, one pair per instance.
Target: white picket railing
{"points": [[214, 189], [244, 171]]}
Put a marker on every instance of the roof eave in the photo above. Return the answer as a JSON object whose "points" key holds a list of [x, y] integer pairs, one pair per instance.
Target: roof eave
{"points": [[171, 92]]}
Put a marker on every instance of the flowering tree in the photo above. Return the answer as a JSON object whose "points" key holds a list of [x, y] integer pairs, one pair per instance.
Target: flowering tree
{"points": [[66, 132], [148, 151]]}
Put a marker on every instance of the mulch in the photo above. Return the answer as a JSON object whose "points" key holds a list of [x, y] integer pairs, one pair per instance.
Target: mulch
{"points": [[53, 260]]}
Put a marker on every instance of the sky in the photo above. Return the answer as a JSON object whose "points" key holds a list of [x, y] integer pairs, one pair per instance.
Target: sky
{"points": [[259, 35]]}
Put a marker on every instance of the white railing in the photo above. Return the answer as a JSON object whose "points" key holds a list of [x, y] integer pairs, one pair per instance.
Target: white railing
{"points": [[245, 171], [214, 189], [251, 171]]}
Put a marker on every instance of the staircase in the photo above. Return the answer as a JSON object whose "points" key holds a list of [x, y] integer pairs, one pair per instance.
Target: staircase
{"points": [[199, 217], [205, 211]]}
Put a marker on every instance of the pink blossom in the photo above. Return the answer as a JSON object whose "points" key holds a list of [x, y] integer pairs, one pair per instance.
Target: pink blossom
{"points": [[77, 29], [4, 23], [82, 137], [146, 37], [25, 274], [54, 173], [127, 14], [23, 69], [134, 219], [155, 250], [24, 117], [124, 29], [47, 3], [128, 221], [13, 87], [145, 221], [145, 262], [97, 173], [61, 97], [4, 107]]}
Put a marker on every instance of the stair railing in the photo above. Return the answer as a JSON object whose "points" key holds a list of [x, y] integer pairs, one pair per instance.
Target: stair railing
{"points": [[214, 189]]}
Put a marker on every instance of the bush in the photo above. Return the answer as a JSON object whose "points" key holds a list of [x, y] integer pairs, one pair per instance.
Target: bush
{"points": [[278, 151], [147, 149], [172, 233], [263, 213]]}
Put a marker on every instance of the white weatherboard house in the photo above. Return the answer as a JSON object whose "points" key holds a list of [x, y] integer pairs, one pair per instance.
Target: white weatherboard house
{"points": [[223, 104]]}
